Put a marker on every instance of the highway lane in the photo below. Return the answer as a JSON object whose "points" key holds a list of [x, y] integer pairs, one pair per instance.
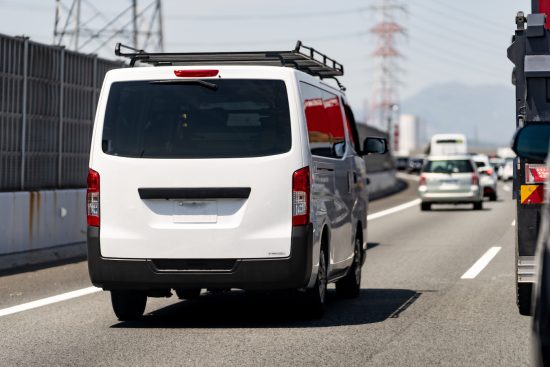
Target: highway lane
{"points": [[414, 310]]}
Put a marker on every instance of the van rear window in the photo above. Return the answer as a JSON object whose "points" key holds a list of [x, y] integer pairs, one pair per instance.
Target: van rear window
{"points": [[449, 166], [214, 118]]}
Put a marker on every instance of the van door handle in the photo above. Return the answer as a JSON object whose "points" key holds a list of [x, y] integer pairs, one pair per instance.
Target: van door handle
{"points": [[352, 180]]}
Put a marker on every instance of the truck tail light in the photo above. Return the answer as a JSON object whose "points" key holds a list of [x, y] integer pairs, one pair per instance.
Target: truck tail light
{"points": [[475, 179], [92, 198], [300, 197]]}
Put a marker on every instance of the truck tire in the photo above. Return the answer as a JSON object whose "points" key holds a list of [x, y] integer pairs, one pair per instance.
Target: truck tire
{"points": [[524, 298]]}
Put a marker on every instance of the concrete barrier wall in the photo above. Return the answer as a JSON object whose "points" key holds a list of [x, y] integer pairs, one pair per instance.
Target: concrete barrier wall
{"points": [[381, 182], [41, 219]]}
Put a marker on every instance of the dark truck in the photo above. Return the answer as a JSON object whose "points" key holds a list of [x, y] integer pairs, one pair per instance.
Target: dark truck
{"points": [[530, 53]]}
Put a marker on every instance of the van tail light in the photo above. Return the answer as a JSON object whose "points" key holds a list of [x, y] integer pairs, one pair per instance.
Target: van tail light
{"points": [[300, 197], [195, 73], [422, 181], [475, 179], [92, 198]]}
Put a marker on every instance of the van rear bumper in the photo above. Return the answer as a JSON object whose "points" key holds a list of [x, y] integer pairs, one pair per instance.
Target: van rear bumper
{"points": [[251, 274]]}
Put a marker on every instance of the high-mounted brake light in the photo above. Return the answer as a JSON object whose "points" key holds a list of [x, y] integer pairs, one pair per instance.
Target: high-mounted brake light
{"points": [[300, 197], [195, 73], [92, 198]]}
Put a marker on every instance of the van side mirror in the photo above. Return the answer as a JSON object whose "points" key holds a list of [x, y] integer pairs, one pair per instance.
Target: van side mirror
{"points": [[373, 145], [532, 142]]}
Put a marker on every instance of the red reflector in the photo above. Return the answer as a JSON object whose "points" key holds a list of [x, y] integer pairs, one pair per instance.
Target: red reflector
{"points": [[300, 197], [92, 198], [536, 173], [422, 180], [195, 73]]}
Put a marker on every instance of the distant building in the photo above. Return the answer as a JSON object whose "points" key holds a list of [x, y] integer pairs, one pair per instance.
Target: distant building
{"points": [[406, 135]]}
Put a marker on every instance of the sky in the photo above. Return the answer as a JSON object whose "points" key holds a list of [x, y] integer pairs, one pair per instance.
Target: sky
{"points": [[461, 41]]}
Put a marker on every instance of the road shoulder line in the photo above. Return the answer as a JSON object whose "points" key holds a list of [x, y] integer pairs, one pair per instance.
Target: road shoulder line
{"points": [[48, 301], [393, 210], [481, 263]]}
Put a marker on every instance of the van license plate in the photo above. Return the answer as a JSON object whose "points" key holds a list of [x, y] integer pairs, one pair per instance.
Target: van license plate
{"points": [[195, 211]]}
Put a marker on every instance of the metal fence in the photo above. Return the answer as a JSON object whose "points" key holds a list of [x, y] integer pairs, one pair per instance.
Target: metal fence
{"points": [[48, 97]]}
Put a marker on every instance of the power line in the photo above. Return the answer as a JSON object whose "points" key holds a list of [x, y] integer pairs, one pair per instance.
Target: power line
{"points": [[454, 37], [312, 14], [444, 57], [463, 19], [280, 40], [470, 15]]}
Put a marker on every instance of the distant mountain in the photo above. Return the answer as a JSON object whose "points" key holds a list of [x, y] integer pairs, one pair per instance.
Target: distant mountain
{"points": [[485, 113]]}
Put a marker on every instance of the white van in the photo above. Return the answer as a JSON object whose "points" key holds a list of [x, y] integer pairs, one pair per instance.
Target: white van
{"points": [[222, 171], [448, 144]]}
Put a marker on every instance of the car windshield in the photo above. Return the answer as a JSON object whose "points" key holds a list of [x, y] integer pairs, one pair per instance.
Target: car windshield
{"points": [[217, 119], [449, 166]]}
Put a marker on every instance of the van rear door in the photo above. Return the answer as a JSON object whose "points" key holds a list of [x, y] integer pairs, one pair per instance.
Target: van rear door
{"points": [[196, 169]]}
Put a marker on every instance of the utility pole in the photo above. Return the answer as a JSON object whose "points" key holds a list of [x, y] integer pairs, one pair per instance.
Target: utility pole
{"points": [[385, 96], [80, 25]]}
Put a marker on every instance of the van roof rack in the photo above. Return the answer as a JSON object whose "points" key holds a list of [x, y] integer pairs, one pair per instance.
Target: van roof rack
{"points": [[303, 58]]}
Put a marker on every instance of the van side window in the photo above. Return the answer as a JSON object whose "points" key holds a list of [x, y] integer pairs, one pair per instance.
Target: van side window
{"points": [[325, 124]]}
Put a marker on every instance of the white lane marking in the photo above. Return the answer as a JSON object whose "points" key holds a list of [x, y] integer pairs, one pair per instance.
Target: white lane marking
{"points": [[395, 209], [513, 222], [506, 188], [407, 176], [48, 301], [480, 264]]}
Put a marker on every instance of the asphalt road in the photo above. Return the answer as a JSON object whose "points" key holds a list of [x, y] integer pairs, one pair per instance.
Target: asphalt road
{"points": [[414, 309]]}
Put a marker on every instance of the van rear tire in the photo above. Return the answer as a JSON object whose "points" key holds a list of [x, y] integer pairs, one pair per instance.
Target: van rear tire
{"points": [[128, 305], [191, 293], [350, 285], [315, 298], [478, 205]]}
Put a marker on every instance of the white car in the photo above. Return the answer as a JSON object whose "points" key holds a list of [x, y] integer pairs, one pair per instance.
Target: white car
{"points": [[217, 171], [488, 179], [506, 172]]}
